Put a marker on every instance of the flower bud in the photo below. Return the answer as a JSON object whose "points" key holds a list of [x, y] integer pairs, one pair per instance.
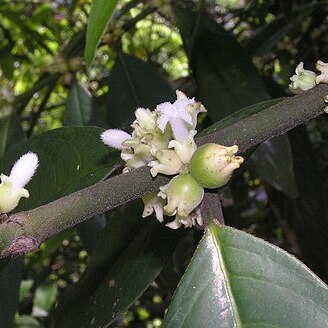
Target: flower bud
{"points": [[303, 79], [183, 195], [12, 187], [153, 203], [9, 197], [323, 68], [212, 164], [115, 138]]}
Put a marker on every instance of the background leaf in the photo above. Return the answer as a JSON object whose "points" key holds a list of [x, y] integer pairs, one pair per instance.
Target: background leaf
{"points": [[81, 110], [225, 77], [70, 159], [10, 279], [11, 133], [100, 13], [134, 83], [227, 81], [79, 105], [235, 279], [276, 169], [129, 256]]}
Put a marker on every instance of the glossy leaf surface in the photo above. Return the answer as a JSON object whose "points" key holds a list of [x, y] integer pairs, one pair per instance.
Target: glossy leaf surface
{"points": [[237, 280]]}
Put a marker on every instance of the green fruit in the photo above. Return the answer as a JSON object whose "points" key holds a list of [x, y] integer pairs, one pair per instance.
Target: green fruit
{"points": [[184, 194], [212, 164]]}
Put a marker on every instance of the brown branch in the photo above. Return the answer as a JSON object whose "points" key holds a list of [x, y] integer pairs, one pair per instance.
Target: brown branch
{"points": [[24, 231]]}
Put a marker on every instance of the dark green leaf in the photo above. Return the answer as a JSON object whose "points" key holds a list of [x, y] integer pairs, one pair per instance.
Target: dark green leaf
{"points": [[129, 256], [267, 36], [100, 13], [10, 280], [225, 76], [80, 108], [307, 214], [90, 230], [239, 115], [237, 280], [70, 159], [79, 105], [273, 160], [11, 133], [134, 83]]}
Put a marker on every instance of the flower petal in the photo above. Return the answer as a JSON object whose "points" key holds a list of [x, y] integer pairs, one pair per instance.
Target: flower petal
{"points": [[115, 138]]}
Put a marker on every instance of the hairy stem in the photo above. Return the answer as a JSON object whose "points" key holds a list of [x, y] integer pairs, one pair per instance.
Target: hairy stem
{"points": [[23, 232]]}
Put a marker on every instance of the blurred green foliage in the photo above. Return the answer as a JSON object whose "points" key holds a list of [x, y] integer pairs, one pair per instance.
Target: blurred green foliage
{"points": [[45, 84]]}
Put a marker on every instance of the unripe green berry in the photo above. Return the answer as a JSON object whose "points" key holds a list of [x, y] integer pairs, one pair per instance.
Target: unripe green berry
{"points": [[212, 164], [183, 195]]}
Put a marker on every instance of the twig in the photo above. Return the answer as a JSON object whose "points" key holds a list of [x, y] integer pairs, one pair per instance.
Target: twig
{"points": [[25, 231]]}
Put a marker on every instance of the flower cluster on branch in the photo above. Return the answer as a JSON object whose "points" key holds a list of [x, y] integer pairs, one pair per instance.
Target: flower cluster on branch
{"points": [[163, 139]]}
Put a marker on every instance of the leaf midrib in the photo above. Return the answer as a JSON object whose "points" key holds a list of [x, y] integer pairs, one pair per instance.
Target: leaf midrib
{"points": [[232, 300]]}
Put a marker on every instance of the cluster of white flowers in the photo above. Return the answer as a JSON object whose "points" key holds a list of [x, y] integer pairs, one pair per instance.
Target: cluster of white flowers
{"points": [[305, 79], [12, 186], [163, 139]]}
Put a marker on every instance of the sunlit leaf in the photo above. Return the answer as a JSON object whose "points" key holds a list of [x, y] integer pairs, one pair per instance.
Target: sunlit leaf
{"points": [[100, 13]]}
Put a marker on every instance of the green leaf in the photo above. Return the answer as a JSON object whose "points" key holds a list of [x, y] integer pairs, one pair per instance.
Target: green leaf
{"points": [[225, 77], [238, 280], [239, 115], [79, 105], [26, 321], [307, 215], [45, 296], [70, 159], [267, 36], [100, 14], [273, 160], [11, 133], [134, 83], [129, 256], [81, 110], [10, 279]]}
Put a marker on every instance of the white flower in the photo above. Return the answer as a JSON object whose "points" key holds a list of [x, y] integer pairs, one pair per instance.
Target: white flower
{"points": [[12, 187], [195, 217], [185, 150], [115, 138], [178, 116], [303, 79], [323, 69], [167, 162], [153, 203], [194, 109], [145, 122]]}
